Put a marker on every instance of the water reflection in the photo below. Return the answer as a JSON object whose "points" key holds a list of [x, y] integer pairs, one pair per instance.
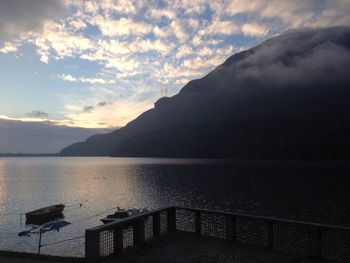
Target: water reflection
{"points": [[3, 192], [310, 192]]}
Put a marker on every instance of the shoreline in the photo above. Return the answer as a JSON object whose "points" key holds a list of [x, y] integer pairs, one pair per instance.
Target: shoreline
{"points": [[212, 160]]}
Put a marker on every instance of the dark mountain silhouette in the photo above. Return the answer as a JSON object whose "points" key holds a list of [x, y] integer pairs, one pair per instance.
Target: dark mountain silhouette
{"points": [[287, 98]]}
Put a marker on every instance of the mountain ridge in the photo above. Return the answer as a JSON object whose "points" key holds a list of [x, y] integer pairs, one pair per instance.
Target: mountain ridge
{"points": [[285, 98]]}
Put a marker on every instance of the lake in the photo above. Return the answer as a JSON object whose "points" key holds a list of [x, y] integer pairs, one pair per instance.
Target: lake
{"points": [[316, 192]]}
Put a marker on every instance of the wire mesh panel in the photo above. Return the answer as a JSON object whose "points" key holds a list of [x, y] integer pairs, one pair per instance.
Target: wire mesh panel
{"points": [[292, 238], [306, 239], [252, 231], [185, 220], [213, 225], [128, 236], [106, 243], [148, 227], [335, 245], [163, 221]]}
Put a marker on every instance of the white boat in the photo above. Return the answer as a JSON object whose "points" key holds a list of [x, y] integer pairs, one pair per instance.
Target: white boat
{"points": [[122, 213]]}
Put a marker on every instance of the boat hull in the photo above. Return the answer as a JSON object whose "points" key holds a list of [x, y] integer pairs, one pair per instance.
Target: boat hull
{"points": [[121, 214], [45, 214]]}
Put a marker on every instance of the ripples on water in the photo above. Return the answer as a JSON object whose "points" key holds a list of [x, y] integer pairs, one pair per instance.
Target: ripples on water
{"points": [[309, 192]]}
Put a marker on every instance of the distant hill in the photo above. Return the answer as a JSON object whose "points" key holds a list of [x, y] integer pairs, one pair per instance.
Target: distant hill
{"points": [[287, 98]]}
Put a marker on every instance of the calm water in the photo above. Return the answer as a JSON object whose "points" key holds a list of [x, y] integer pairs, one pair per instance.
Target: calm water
{"points": [[301, 191]]}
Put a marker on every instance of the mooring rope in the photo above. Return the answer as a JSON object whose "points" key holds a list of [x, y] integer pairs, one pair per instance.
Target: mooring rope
{"points": [[80, 219]]}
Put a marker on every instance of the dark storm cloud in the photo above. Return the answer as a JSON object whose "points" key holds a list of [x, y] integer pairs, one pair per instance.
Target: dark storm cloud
{"points": [[39, 137], [37, 114], [299, 57], [20, 16]]}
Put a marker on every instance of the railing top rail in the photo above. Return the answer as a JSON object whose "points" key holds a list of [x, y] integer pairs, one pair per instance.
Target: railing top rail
{"points": [[127, 220], [131, 219], [269, 219]]}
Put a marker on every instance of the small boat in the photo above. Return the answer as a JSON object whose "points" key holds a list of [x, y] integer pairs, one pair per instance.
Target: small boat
{"points": [[122, 213], [45, 214]]}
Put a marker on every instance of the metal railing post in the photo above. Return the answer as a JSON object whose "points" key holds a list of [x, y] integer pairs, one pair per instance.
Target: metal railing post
{"points": [[198, 222], [270, 239], [230, 224], [171, 215], [156, 224], [139, 231], [118, 240], [92, 246], [316, 242]]}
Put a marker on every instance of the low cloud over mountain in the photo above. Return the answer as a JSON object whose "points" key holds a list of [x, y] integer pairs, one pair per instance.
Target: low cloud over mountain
{"points": [[300, 58]]}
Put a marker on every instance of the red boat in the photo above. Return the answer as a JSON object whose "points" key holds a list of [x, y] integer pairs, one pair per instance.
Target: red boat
{"points": [[45, 214]]}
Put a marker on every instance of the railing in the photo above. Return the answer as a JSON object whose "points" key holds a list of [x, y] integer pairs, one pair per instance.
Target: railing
{"points": [[302, 238], [112, 238]]}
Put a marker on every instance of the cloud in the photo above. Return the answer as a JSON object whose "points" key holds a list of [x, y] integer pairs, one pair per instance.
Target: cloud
{"points": [[38, 114], [188, 7], [253, 29], [200, 63], [114, 114], [209, 59], [9, 47], [179, 30], [295, 13], [184, 51], [125, 7], [113, 54], [163, 43], [39, 137], [160, 13], [157, 45], [300, 57], [88, 108], [220, 27], [159, 32], [57, 41], [77, 24], [335, 13], [182, 81], [170, 72], [19, 17], [205, 51], [102, 104], [68, 77], [121, 27], [197, 40]]}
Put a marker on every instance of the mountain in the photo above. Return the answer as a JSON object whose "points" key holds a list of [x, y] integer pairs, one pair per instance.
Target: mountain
{"points": [[287, 98]]}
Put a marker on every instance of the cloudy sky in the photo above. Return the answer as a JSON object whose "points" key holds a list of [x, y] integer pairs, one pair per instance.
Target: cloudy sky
{"points": [[99, 64]]}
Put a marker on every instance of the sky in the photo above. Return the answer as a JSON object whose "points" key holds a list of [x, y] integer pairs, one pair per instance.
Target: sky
{"points": [[99, 64]]}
